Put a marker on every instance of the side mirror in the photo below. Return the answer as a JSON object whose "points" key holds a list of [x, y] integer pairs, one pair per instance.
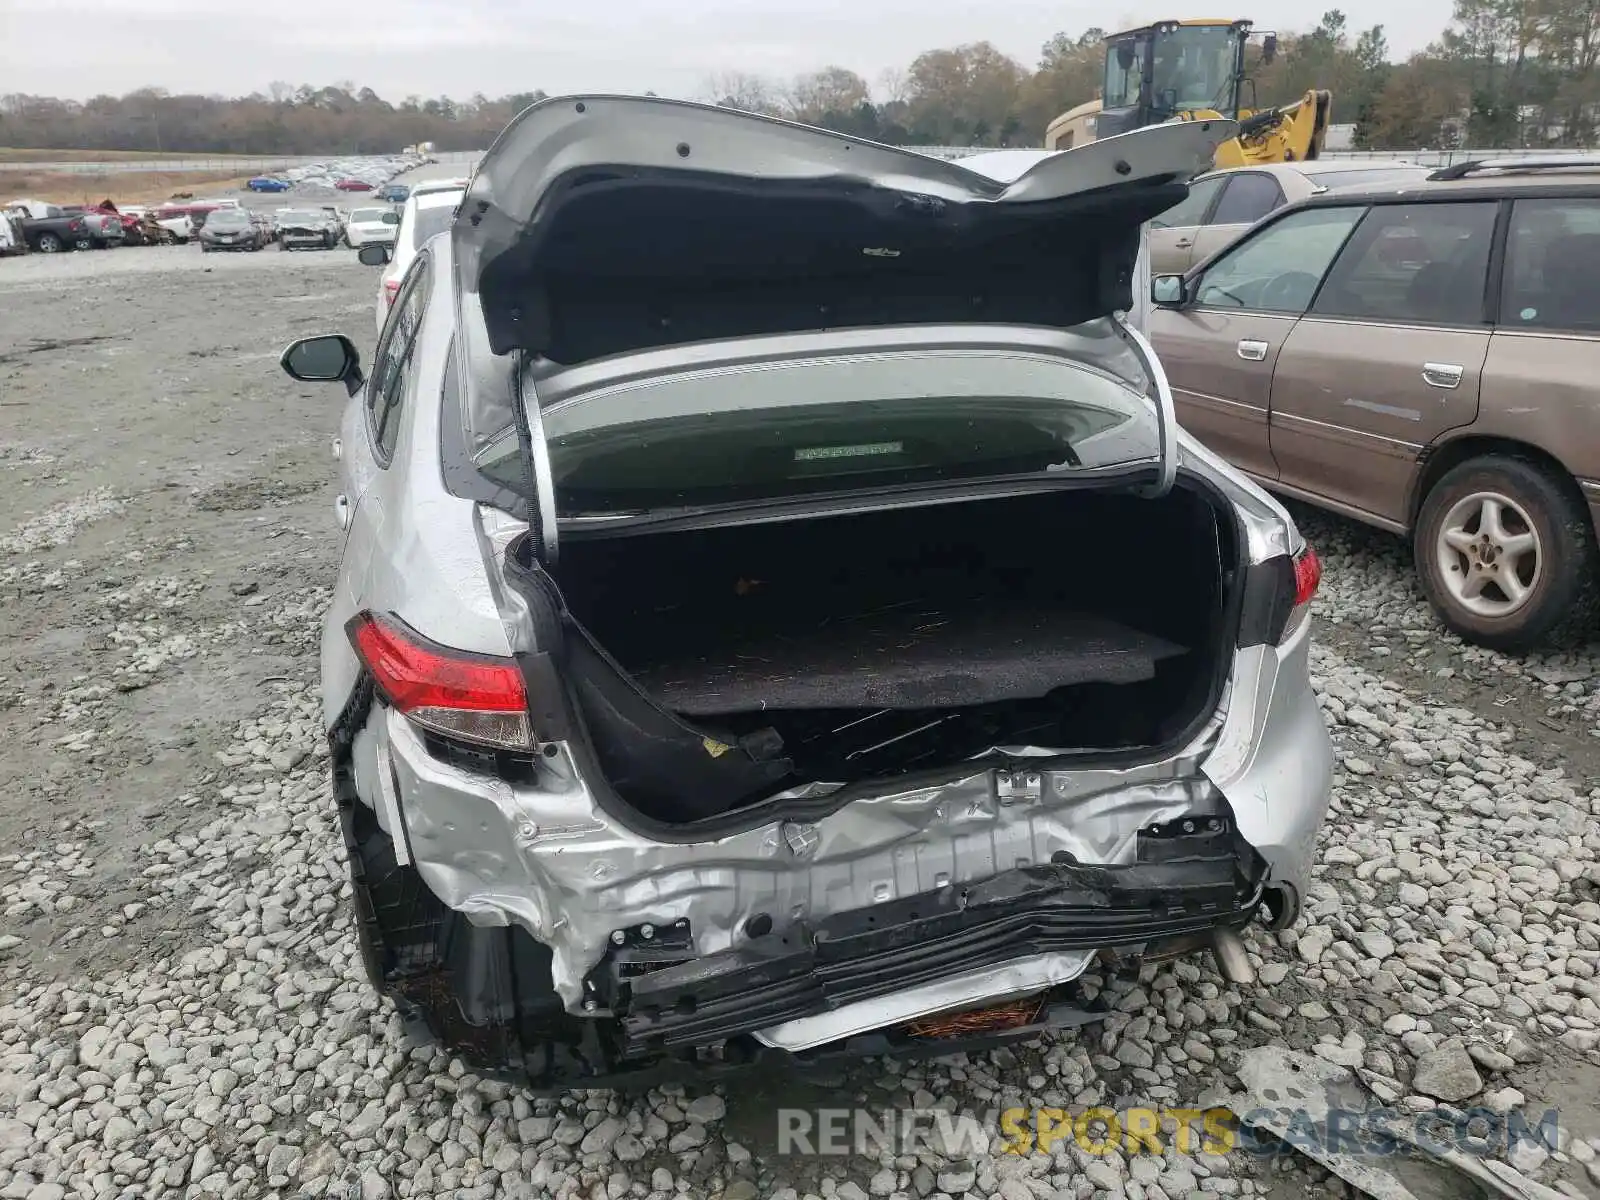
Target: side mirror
{"points": [[1166, 291], [1269, 47], [325, 358], [374, 254]]}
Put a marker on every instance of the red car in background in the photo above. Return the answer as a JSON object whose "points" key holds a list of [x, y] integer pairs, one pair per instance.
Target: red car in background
{"points": [[353, 185]]}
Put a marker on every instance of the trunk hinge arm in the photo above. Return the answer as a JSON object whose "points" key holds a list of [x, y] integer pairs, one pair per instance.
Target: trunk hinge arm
{"points": [[530, 428], [1166, 414]]}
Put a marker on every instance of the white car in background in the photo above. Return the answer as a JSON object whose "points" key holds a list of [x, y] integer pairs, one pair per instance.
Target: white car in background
{"points": [[427, 211], [376, 224]]}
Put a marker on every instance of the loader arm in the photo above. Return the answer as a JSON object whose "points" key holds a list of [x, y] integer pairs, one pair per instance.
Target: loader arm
{"points": [[1291, 133]]}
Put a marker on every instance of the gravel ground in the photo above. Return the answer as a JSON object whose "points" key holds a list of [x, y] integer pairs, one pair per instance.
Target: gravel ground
{"points": [[182, 1011]]}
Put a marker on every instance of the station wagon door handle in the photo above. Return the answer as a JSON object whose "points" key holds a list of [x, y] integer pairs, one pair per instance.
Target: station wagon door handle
{"points": [[1183, 243], [1252, 351], [341, 511], [1441, 375]]}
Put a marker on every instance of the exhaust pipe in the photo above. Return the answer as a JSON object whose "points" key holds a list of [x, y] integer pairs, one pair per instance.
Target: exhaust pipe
{"points": [[1233, 960]]}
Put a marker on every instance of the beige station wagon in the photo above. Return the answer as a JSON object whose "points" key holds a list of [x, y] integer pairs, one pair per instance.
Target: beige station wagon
{"points": [[1222, 205], [1424, 358]]}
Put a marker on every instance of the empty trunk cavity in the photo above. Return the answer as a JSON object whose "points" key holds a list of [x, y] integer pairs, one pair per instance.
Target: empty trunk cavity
{"points": [[848, 648]]}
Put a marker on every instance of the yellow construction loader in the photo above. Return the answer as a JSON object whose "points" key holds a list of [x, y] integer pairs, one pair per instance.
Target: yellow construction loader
{"points": [[1195, 71]]}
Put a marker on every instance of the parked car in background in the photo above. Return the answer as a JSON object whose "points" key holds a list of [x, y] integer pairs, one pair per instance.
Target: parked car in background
{"points": [[148, 231], [667, 796], [111, 217], [12, 239], [264, 224], [307, 229], [177, 220], [1223, 204], [268, 183], [200, 211], [353, 185], [426, 212], [51, 228], [1383, 352], [371, 225], [231, 229], [394, 193]]}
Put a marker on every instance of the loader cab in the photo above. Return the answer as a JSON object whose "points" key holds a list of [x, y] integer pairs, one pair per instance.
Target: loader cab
{"points": [[1174, 69]]}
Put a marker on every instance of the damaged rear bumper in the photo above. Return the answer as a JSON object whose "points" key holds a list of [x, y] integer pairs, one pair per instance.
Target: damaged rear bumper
{"points": [[1188, 879], [542, 939], [810, 993]]}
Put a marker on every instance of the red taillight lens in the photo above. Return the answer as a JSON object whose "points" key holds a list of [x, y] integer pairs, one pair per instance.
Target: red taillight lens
{"points": [[391, 288], [475, 697], [75, 224], [1307, 576]]}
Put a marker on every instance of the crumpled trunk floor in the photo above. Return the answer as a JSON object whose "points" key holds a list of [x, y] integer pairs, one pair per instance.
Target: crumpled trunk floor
{"points": [[918, 654]]}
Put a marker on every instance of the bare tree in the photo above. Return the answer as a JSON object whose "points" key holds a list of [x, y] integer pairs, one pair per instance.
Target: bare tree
{"points": [[894, 86], [750, 93]]}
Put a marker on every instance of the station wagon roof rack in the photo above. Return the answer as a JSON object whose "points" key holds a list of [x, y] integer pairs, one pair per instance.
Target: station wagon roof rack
{"points": [[1472, 166]]}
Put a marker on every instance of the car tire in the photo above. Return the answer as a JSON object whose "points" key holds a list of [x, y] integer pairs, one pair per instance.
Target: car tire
{"points": [[83, 244], [1507, 520], [49, 243]]}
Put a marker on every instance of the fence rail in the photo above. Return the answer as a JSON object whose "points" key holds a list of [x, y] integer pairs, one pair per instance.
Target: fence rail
{"points": [[253, 165], [243, 165]]}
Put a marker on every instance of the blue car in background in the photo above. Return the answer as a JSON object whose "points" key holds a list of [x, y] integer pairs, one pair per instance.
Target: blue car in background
{"points": [[395, 193], [266, 183]]}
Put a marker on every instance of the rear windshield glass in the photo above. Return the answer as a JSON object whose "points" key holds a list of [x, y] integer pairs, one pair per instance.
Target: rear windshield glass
{"points": [[732, 436], [227, 218], [431, 221], [371, 214]]}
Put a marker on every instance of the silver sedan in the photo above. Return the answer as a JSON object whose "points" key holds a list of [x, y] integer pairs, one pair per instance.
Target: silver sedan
{"points": [[778, 612]]}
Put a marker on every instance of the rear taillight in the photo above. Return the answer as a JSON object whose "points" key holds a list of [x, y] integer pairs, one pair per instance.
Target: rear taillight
{"points": [[1307, 575], [475, 697], [1277, 597], [75, 224], [391, 288]]}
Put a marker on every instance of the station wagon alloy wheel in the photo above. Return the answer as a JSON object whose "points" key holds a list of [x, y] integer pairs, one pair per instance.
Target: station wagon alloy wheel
{"points": [[1505, 551], [1489, 554]]}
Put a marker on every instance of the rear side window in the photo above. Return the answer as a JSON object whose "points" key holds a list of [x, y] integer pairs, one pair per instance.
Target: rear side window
{"points": [[1414, 263], [426, 222], [1250, 196], [1192, 209], [1278, 269], [391, 367], [1552, 276]]}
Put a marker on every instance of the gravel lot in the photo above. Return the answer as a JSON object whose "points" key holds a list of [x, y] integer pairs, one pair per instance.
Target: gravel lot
{"points": [[182, 1011]]}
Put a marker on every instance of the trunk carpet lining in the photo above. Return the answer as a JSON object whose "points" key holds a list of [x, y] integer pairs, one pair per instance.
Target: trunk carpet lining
{"points": [[913, 655]]}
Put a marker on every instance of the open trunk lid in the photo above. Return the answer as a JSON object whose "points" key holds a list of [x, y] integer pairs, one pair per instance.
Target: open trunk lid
{"points": [[605, 225], [592, 217]]}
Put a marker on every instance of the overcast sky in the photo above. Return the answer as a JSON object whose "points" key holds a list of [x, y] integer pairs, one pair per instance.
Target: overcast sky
{"points": [[78, 48]]}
